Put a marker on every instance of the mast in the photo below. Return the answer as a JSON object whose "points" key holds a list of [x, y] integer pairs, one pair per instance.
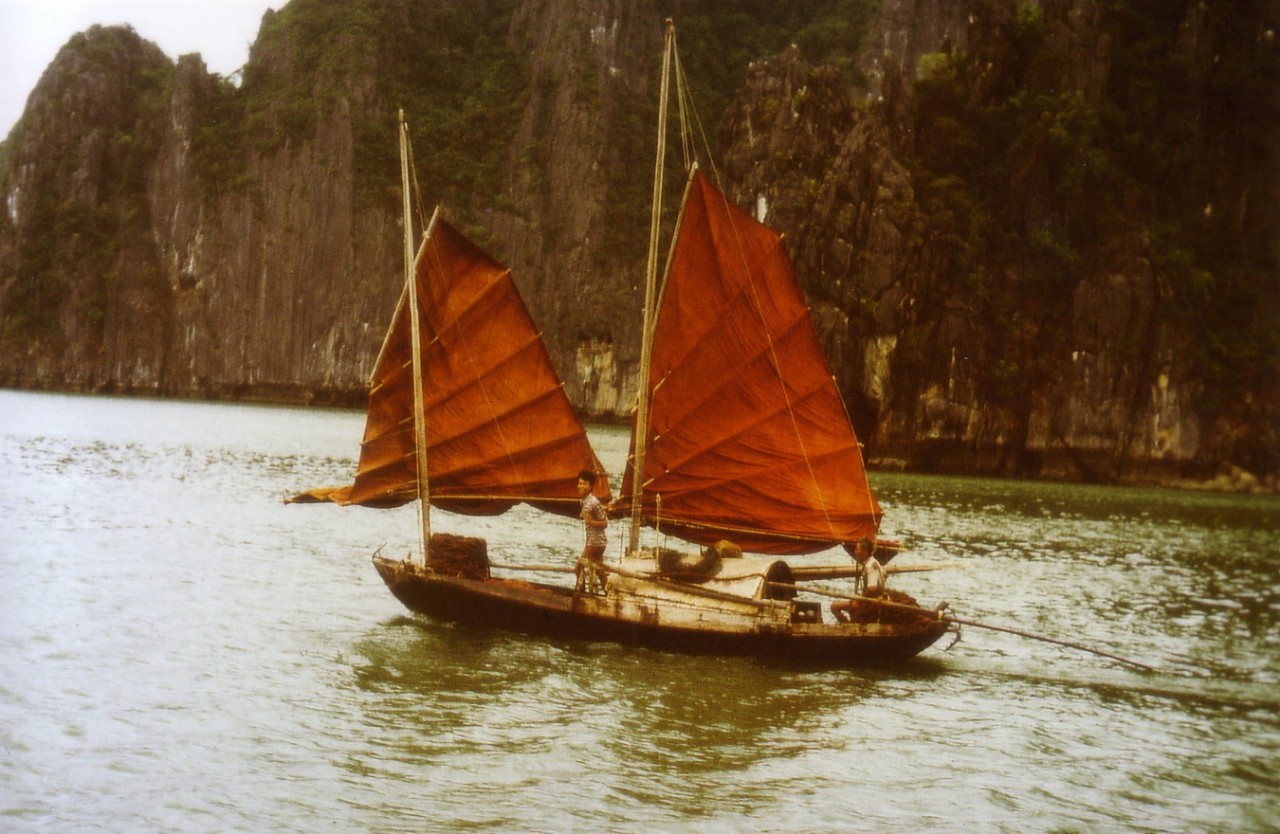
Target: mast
{"points": [[419, 415], [650, 294]]}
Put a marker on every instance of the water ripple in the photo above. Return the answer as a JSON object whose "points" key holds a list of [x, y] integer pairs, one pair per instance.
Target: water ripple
{"points": [[179, 651]]}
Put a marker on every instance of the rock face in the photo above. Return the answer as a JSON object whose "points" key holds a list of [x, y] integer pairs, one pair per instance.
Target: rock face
{"points": [[1030, 360], [161, 283], [170, 233], [864, 245]]}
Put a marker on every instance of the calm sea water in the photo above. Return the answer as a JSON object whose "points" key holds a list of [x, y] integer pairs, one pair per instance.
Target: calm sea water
{"points": [[181, 652]]}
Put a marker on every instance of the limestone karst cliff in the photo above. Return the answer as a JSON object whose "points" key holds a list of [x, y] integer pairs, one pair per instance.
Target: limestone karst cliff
{"points": [[1039, 237]]}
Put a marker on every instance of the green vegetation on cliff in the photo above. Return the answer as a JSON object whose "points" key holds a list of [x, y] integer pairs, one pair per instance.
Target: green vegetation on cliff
{"points": [[448, 65], [1031, 184], [76, 231]]}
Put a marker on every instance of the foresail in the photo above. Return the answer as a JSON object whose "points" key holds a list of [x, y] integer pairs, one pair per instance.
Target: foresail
{"points": [[748, 436], [500, 429]]}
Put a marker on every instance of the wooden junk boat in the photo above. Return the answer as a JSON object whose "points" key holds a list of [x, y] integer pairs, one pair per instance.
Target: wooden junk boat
{"points": [[740, 433]]}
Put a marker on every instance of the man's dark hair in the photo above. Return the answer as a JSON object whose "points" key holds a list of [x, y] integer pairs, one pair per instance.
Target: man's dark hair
{"points": [[588, 476]]}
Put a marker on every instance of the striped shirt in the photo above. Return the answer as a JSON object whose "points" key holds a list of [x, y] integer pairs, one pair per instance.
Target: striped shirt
{"points": [[593, 509]]}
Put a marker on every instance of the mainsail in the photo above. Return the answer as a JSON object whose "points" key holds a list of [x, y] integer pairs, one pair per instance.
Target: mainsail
{"points": [[499, 427], [748, 438]]}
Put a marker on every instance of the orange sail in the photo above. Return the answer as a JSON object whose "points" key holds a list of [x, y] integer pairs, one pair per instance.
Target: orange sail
{"points": [[499, 427], [748, 437]]}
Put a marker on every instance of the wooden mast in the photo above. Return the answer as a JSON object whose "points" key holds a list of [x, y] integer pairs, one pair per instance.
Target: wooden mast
{"points": [[419, 415], [650, 295]]}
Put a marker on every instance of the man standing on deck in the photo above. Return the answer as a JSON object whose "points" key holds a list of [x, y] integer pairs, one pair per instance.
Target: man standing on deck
{"points": [[869, 582], [873, 573], [595, 522]]}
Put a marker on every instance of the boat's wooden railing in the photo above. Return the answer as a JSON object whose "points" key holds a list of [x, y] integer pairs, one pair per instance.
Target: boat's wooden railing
{"points": [[801, 573], [605, 567], [817, 573]]}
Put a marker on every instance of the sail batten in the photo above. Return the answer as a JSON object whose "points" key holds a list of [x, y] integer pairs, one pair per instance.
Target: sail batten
{"points": [[761, 354], [487, 464], [762, 539], [747, 432], [811, 399], [510, 452], [702, 471], [532, 343], [745, 301], [705, 470], [499, 428]]}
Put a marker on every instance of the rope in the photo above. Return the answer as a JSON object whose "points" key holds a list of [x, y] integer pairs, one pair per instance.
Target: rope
{"points": [[650, 291], [417, 186], [685, 101], [686, 98], [415, 333]]}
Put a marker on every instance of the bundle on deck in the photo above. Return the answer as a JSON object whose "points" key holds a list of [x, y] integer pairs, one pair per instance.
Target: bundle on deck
{"points": [[461, 556], [869, 611]]}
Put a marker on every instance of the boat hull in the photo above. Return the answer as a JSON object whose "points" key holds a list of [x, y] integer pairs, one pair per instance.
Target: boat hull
{"points": [[550, 611]]}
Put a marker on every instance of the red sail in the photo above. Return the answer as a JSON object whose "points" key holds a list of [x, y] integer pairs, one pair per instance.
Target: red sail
{"points": [[748, 437], [499, 426]]}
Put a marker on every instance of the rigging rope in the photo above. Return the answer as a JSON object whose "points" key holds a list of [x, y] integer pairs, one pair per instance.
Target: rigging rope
{"points": [[650, 292], [683, 95], [411, 281], [416, 190], [688, 117]]}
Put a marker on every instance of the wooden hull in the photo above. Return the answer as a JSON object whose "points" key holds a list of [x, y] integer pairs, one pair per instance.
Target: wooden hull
{"points": [[759, 628]]}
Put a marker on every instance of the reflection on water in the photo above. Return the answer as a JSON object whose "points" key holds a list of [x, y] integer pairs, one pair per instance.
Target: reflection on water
{"points": [[179, 651]]}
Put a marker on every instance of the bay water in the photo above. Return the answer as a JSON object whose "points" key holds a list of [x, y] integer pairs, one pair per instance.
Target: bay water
{"points": [[180, 651]]}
